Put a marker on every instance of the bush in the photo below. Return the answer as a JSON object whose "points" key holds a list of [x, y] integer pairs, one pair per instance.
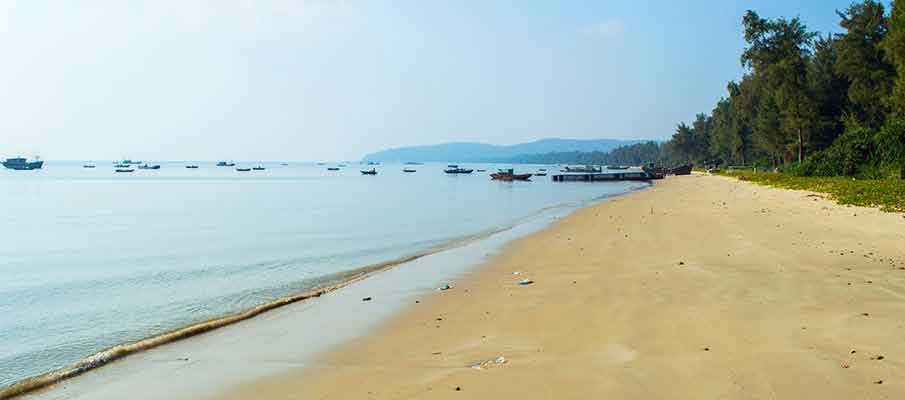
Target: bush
{"points": [[852, 153], [891, 145]]}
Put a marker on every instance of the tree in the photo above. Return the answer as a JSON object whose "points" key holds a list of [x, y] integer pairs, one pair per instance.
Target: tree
{"points": [[829, 91], [684, 141], [770, 136], [779, 50], [894, 46], [701, 128], [862, 60]]}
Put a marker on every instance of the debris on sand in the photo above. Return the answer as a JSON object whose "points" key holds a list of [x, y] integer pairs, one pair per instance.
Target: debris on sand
{"points": [[526, 282], [445, 286], [488, 363]]}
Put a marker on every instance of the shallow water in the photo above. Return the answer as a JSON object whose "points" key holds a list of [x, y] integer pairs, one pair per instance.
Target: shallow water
{"points": [[90, 258]]}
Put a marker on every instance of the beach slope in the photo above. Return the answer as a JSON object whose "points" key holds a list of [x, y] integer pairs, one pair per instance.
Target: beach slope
{"points": [[701, 287]]}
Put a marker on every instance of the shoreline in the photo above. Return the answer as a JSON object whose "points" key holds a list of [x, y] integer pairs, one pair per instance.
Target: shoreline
{"points": [[707, 287], [44, 385]]}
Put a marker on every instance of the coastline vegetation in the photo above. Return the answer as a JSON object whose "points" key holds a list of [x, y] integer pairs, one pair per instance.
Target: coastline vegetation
{"points": [[816, 109]]}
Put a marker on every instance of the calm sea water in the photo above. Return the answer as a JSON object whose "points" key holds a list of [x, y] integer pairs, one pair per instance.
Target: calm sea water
{"points": [[90, 258]]}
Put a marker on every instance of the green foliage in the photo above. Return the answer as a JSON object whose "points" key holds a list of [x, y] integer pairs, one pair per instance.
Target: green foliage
{"points": [[635, 154], [883, 193], [894, 45], [851, 154], [891, 145]]}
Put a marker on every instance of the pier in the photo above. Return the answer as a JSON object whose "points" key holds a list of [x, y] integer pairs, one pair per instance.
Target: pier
{"points": [[604, 176]]}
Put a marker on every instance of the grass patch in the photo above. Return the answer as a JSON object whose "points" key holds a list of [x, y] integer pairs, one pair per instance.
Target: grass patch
{"points": [[887, 194]]}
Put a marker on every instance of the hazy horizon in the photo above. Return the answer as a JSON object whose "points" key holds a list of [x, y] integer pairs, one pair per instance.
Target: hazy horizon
{"points": [[334, 80]]}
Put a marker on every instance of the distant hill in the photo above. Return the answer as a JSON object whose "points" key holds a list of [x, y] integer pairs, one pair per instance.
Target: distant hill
{"points": [[482, 152]]}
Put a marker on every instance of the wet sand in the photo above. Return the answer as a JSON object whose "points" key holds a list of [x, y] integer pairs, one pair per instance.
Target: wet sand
{"points": [[701, 287]]}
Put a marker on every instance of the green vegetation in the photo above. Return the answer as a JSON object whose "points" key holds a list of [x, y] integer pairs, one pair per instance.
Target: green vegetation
{"points": [[811, 104], [884, 193]]}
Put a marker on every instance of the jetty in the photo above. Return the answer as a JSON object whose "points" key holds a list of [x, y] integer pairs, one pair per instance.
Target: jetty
{"points": [[629, 174]]}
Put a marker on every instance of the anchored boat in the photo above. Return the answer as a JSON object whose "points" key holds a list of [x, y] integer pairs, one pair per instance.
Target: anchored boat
{"points": [[372, 171], [509, 175], [454, 169], [22, 164]]}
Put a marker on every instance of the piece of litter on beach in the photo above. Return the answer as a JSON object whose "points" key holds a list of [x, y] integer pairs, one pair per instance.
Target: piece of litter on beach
{"points": [[516, 273], [445, 287], [525, 282], [366, 299]]}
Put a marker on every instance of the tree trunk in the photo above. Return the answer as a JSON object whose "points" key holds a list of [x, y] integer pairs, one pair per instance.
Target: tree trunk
{"points": [[800, 145]]}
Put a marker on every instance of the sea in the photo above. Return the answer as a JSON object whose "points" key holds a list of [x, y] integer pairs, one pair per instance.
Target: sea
{"points": [[91, 258]]}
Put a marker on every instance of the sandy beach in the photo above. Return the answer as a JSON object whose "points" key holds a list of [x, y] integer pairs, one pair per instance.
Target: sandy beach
{"points": [[700, 287]]}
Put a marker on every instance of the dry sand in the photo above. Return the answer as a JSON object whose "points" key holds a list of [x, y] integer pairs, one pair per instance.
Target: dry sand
{"points": [[699, 288]]}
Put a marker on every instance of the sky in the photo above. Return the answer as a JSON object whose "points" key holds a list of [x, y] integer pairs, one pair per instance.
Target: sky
{"points": [[334, 80]]}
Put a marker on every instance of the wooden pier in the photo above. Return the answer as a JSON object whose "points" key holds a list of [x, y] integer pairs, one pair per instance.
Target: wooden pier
{"points": [[604, 177]]}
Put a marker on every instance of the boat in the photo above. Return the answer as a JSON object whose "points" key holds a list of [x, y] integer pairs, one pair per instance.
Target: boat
{"points": [[284, 164], [372, 171], [509, 175], [135, 162], [542, 169], [243, 169], [125, 170], [89, 166], [541, 174], [22, 164], [454, 169], [146, 166], [192, 166], [413, 163], [481, 170], [225, 164], [585, 169], [259, 168], [373, 163], [409, 170], [332, 168], [341, 165], [681, 170], [121, 165]]}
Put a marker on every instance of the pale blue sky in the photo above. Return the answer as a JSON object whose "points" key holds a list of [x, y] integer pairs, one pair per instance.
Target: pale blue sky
{"points": [[320, 80]]}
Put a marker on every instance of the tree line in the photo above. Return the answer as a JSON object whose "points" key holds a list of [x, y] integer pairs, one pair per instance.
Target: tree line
{"points": [[809, 103]]}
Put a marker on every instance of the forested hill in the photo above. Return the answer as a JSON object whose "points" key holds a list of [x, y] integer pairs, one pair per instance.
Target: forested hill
{"points": [[635, 154], [481, 152]]}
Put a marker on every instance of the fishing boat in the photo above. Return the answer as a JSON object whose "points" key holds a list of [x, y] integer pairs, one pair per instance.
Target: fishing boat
{"points": [[192, 166], [541, 174], [542, 169], [146, 166], [123, 170], [121, 165], [332, 168], [413, 163], [89, 166], [372, 171], [509, 175], [409, 170], [243, 169], [455, 169], [481, 170], [22, 164], [225, 164], [259, 168], [585, 169]]}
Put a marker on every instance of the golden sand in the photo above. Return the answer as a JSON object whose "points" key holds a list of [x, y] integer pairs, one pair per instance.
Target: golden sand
{"points": [[699, 288]]}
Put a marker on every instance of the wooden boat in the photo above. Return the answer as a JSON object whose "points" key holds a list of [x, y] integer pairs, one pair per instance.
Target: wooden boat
{"points": [[121, 165], [259, 168], [191, 166], [509, 175], [372, 171], [89, 166], [225, 164], [332, 168], [243, 169], [146, 166], [409, 170], [481, 170], [681, 170], [124, 170], [541, 174]]}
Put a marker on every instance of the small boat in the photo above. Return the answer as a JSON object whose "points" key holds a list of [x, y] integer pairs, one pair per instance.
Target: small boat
{"points": [[509, 175], [89, 166], [372, 171], [332, 168], [136, 162], [243, 169], [22, 164], [454, 169], [192, 166], [146, 166], [413, 163], [284, 164], [125, 170], [121, 165], [542, 169], [259, 168], [541, 174], [481, 170], [373, 163], [409, 170], [225, 164]]}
